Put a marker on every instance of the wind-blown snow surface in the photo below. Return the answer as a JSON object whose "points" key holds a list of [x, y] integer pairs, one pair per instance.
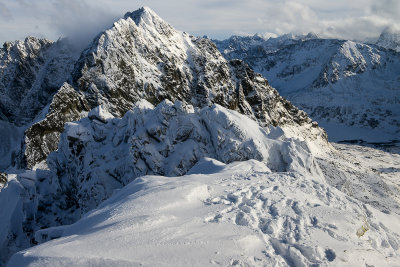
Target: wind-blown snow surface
{"points": [[274, 200], [352, 89], [102, 153], [241, 214]]}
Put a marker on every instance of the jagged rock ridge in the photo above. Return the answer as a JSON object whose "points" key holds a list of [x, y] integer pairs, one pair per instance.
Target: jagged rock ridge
{"points": [[31, 72], [237, 47]]}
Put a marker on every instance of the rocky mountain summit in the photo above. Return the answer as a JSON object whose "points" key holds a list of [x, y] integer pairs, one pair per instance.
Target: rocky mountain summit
{"points": [[350, 88], [141, 57]]}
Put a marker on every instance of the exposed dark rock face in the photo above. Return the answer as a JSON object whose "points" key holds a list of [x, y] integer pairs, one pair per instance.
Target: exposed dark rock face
{"points": [[3, 179], [42, 137], [255, 97], [31, 72]]}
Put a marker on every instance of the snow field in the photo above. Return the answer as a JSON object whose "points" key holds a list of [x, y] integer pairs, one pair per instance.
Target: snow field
{"points": [[241, 214]]}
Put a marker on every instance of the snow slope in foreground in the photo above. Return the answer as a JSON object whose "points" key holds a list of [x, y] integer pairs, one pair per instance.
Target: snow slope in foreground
{"points": [[236, 214]]}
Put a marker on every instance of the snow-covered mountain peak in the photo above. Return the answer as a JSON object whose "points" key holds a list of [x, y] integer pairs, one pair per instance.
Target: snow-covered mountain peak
{"points": [[390, 38], [312, 35], [146, 18], [143, 57], [142, 14]]}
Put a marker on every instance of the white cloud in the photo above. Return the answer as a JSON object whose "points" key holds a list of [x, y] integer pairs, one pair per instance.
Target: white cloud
{"points": [[79, 21], [82, 20], [5, 13]]}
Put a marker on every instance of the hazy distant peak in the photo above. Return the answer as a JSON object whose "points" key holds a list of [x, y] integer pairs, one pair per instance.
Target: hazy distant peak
{"points": [[293, 36], [390, 38], [312, 35]]}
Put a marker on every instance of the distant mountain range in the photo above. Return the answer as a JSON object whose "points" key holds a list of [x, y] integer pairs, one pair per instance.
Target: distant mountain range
{"points": [[352, 89]]}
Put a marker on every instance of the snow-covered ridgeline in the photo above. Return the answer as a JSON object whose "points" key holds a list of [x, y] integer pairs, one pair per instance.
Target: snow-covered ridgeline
{"points": [[166, 140], [100, 154]]}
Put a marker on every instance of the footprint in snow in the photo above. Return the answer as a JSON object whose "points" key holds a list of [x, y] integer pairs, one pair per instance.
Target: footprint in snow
{"points": [[330, 254], [296, 208]]}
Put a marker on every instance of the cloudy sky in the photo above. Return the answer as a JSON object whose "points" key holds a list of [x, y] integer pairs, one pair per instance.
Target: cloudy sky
{"points": [[83, 19]]}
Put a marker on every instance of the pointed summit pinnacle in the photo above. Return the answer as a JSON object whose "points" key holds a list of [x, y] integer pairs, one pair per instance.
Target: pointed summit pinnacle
{"points": [[146, 18], [142, 14]]}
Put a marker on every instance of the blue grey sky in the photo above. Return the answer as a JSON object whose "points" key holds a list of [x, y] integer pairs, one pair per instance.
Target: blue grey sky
{"points": [[83, 19]]}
